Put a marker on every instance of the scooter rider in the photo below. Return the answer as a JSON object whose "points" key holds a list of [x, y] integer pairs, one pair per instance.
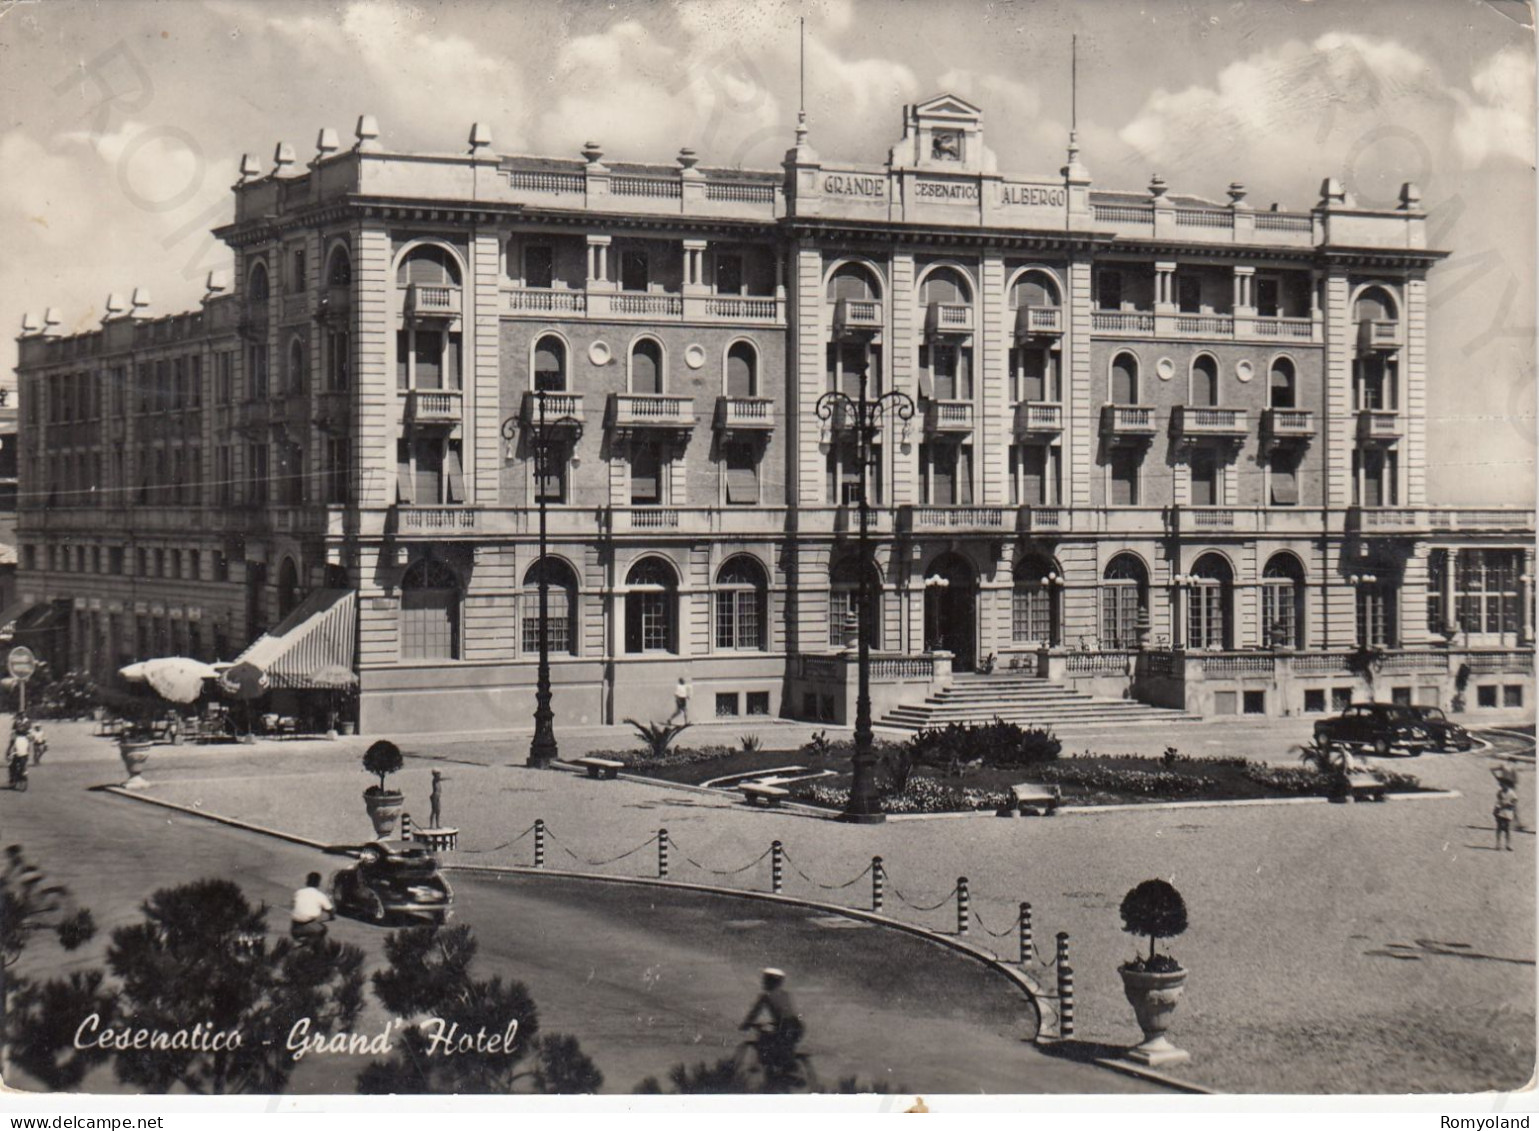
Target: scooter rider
{"points": [[312, 909]]}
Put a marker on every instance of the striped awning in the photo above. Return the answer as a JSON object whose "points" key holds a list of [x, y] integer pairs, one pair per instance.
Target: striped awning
{"points": [[316, 635]]}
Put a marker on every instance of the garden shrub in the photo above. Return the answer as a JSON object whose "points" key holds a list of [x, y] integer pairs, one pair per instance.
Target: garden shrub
{"points": [[997, 744], [1116, 779], [921, 795], [675, 756]]}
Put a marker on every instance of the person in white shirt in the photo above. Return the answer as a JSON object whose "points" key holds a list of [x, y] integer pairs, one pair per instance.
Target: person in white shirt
{"points": [[312, 909], [681, 694]]}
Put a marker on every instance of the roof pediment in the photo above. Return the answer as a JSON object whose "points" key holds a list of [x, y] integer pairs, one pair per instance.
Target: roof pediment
{"points": [[948, 106]]}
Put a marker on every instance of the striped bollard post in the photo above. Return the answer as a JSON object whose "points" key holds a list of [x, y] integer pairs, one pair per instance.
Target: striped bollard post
{"points": [[878, 884], [964, 907], [1026, 945], [662, 854], [777, 867], [539, 844], [406, 827], [1065, 988]]}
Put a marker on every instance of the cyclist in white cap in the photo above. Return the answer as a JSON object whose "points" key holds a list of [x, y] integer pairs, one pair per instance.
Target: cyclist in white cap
{"points": [[778, 1037]]}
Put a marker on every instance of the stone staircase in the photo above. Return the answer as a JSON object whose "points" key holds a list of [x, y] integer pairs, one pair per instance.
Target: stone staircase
{"points": [[1030, 701]]}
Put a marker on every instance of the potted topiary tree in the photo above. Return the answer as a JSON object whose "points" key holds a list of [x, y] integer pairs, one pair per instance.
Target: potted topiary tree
{"points": [[384, 805], [1154, 984]]}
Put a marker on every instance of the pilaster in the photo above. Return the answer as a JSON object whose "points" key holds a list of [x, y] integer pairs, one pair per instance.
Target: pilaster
{"points": [[991, 450], [1339, 425]]}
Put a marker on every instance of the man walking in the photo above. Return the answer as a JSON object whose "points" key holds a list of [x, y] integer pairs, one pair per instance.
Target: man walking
{"points": [[1506, 810], [681, 694]]}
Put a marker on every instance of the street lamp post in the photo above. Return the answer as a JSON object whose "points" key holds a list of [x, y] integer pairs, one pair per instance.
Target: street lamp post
{"points": [[545, 436], [863, 416]]}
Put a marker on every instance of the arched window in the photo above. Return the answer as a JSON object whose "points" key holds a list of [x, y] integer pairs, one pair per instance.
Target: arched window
{"points": [[1207, 614], [339, 268], [1124, 379], [741, 605], [430, 612], [647, 367], [1035, 288], [852, 281], [1205, 382], [1375, 305], [945, 284], [295, 377], [651, 607], [257, 289], [742, 371], [1034, 604], [844, 605], [560, 603], [1124, 601], [1282, 602], [550, 364], [428, 265], [288, 587], [1282, 391]]}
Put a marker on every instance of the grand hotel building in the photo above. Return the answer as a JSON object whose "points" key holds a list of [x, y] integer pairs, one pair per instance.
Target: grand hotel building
{"points": [[1165, 449]]}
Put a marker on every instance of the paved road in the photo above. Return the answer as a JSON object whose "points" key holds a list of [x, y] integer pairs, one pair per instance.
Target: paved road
{"points": [[644, 978]]}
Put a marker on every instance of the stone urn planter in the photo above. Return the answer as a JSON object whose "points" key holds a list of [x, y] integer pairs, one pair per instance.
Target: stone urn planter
{"points": [[384, 806], [1153, 996], [134, 754]]}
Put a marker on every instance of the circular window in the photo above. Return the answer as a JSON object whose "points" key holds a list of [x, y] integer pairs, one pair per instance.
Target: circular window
{"points": [[694, 356], [1165, 368], [599, 354], [1244, 370]]}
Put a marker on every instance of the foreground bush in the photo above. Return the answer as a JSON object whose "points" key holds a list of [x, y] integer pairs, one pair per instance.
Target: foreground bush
{"points": [[920, 795], [1116, 779], [998, 744], [674, 756]]}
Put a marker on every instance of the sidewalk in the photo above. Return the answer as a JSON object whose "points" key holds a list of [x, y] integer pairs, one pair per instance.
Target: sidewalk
{"points": [[1331, 948]]}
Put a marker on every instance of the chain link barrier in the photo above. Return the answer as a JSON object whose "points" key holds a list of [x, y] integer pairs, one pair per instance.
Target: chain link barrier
{"points": [[500, 847], [673, 842]]}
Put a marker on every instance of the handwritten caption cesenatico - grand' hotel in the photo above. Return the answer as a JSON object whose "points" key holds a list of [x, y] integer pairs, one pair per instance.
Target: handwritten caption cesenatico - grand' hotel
{"points": [[875, 188]]}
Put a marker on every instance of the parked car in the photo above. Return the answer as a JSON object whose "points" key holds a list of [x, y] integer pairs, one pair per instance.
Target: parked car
{"points": [[390, 881], [1443, 731], [1376, 727]]}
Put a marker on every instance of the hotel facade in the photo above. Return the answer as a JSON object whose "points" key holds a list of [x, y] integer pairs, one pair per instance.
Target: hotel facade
{"points": [[1164, 449]]}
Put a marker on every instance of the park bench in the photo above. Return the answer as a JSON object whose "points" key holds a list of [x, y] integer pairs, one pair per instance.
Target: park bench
{"points": [[1040, 799], [1365, 787], [605, 769], [756, 793]]}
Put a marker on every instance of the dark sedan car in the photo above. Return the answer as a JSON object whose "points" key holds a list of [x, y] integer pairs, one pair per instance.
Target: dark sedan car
{"points": [[1443, 731], [1379, 728]]}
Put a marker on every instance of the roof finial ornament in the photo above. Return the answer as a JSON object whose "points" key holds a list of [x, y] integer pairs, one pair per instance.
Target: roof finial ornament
{"points": [[801, 109]]}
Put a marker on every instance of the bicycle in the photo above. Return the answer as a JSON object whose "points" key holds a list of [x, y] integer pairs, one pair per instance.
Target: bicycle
{"points": [[767, 1076]]}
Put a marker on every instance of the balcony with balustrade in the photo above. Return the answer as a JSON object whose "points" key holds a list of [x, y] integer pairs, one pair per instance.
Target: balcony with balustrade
{"points": [[1032, 322], [857, 318], [948, 320], [1204, 422], [745, 414], [948, 418], [1139, 323], [431, 302], [561, 409], [1042, 520], [1128, 420], [1279, 424], [1379, 425], [953, 520], [635, 411], [1379, 336], [440, 407], [1038, 418]]}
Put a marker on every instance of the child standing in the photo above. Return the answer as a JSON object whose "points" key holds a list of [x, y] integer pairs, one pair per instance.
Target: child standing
{"points": [[1506, 811]]}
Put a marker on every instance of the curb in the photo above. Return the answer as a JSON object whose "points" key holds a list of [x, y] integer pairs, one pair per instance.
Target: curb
{"points": [[1021, 980]]}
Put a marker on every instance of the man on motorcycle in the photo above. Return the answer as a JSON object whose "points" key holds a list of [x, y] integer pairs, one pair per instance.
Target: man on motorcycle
{"points": [[17, 752], [39, 744]]}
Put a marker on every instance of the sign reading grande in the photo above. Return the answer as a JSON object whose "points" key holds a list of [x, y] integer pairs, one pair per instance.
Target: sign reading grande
{"points": [[852, 184], [1037, 196], [957, 191]]}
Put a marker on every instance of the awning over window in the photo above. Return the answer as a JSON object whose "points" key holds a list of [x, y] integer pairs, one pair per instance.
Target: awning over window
{"points": [[316, 635], [14, 612]]}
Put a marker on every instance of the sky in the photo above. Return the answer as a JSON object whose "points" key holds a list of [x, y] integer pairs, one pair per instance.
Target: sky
{"points": [[123, 124]]}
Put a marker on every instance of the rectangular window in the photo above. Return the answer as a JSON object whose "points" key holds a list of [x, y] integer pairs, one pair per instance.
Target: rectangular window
{"points": [[428, 353], [634, 274], [1341, 698], [453, 474], [256, 357], [405, 487], [1031, 374], [1376, 616], [1031, 479], [758, 702], [1124, 462], [1485, 695], [742, 473], [726, 704], [1108, 293], [1512, 695], [656, 627], [729, 274], [1284, 477], [428, 472], [1314, 700], [1205, 478], [1255, 702], [1120, 608], [646, 475], [539, 265], [1188, 293], [403, 359], [551, 487], [558, 624], [1267, 296], [1400, 696], [453, 361], [1225, 703]]}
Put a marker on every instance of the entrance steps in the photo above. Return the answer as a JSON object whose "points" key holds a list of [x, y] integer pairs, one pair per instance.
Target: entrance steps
{"points": [[1029, 701]]}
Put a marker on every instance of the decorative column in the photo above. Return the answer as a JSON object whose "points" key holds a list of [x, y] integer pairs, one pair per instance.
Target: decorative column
{"points": [[598, 261], [1164, 299], [1450, 614], [694, 266], [1525, 595]]}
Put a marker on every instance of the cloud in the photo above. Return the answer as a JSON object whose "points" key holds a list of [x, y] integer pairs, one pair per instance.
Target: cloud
{"points": [[1013, 121], [1498, 121]]}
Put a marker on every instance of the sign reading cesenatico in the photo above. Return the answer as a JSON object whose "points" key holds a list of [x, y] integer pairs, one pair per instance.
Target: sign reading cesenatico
{"points": [[953, 192]]}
